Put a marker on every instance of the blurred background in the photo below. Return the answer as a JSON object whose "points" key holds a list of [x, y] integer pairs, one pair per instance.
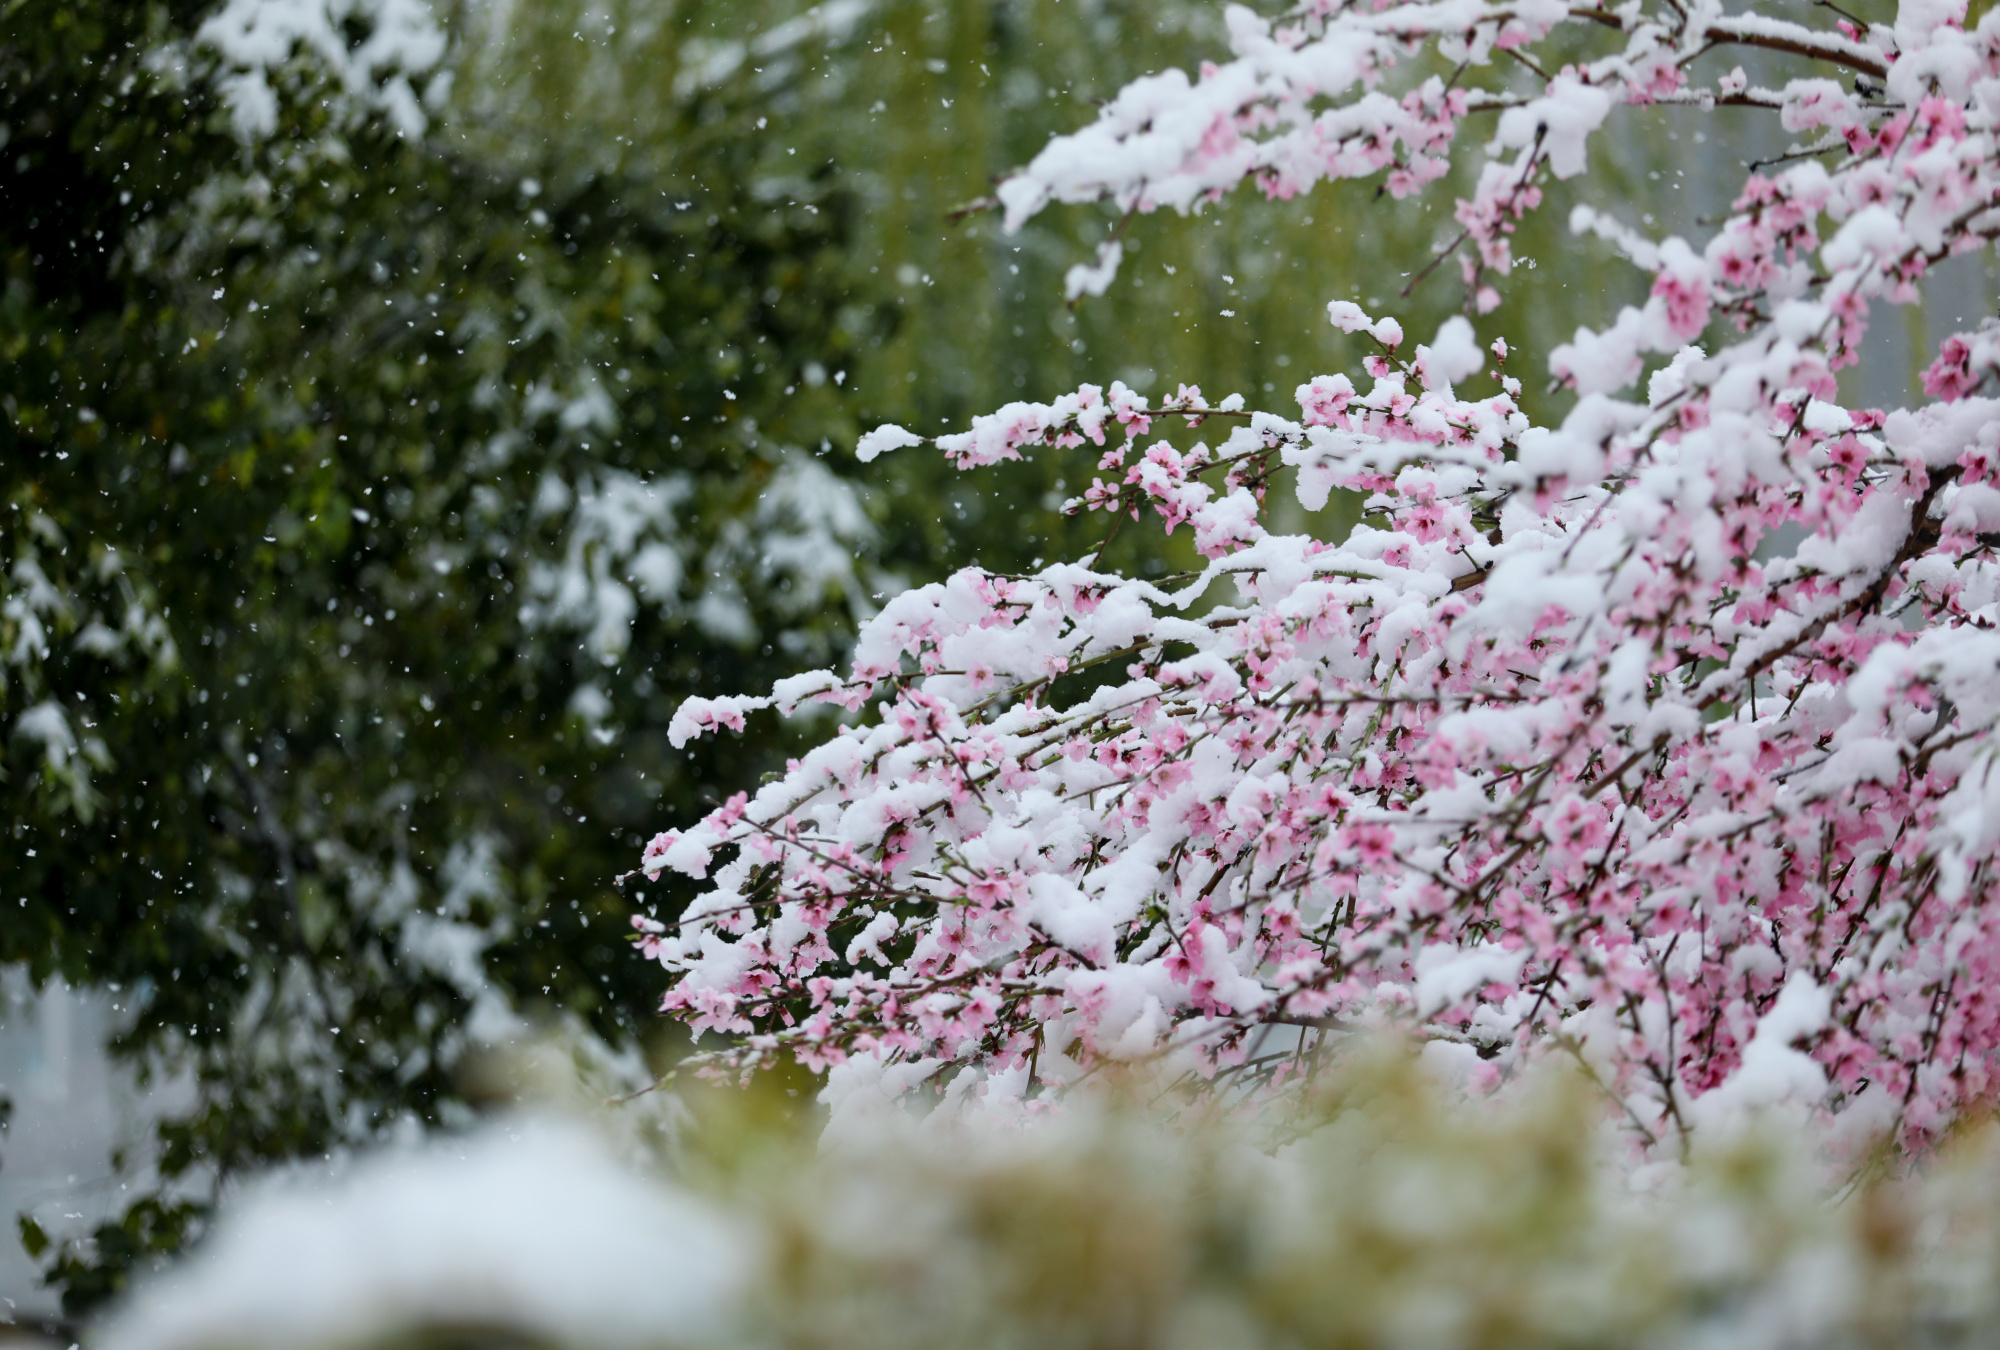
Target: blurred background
{"points": [[407, 405]]}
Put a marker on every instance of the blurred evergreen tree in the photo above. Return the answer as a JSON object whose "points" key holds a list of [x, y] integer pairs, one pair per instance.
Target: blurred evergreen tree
{"points": [[372, 495]]}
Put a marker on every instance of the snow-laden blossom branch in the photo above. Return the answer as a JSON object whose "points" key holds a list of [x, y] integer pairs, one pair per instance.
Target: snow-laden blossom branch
{"points": [[1662, 737]]}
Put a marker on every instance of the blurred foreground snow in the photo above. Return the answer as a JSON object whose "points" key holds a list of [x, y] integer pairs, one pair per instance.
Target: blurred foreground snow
{"points": [[530, 1227]]}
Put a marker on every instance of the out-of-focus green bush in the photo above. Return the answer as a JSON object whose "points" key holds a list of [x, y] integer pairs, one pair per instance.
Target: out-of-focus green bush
{"points": [[1396, 1215]]}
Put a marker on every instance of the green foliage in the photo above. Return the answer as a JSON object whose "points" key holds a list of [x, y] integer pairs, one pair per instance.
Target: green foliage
{"points": [[367, 506], [150, 1230]]}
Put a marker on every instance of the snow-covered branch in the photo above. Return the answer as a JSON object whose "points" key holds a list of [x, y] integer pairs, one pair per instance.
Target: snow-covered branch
{"points": [[1663, 736]]}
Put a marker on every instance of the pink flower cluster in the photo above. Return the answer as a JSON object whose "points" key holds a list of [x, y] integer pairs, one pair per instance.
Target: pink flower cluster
{"points": [[1663, 738]]}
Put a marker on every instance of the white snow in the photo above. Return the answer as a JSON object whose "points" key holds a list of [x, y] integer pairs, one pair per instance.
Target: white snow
{"points": [[883, 439], [256, 39], [1773, 1073], [529, 1228]]}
